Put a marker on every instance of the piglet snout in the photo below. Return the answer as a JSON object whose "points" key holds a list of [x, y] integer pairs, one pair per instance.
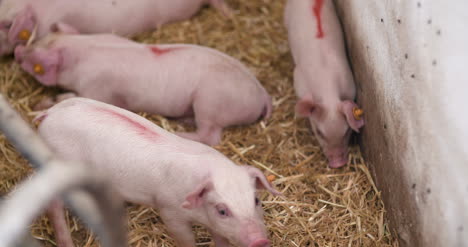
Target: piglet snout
{"points": [[260, 243], [337, 163], [253, 234], [337, 157]]}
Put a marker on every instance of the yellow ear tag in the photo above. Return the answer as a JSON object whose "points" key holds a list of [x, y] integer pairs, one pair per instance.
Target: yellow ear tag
{"points": [[24, 35], [357, 113], [38, 69]]}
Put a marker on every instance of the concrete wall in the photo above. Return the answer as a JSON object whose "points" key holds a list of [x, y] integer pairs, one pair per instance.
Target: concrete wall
{"points": [[410, 59]]}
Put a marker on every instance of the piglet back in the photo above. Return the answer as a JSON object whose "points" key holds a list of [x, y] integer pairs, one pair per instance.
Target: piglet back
{"points": [[81, 114]]}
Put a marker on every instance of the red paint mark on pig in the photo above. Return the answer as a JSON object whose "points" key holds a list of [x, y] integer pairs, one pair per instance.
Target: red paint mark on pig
{"points": [[161, 51], [140, 128], [317, 11]]}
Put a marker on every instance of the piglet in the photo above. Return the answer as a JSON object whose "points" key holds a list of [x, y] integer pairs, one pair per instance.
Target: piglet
{"points": [[323, 80], [19, 18], [190, 82], [187, 181]]}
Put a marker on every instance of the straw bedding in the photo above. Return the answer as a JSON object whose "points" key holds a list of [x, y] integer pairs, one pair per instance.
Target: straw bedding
{"points": [[321, 206]]}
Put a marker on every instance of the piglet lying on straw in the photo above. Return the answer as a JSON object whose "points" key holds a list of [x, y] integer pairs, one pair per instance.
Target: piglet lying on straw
{"points": [[21, 20], [181, 81]]}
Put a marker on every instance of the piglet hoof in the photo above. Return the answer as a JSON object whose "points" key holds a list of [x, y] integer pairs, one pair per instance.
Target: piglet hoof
{"points": [[44, 104], [225, 10], [187, 120], [49, 102]]}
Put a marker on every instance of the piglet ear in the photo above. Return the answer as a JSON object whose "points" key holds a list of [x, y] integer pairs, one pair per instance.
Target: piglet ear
{"points": [[196, 198], [61, 27], [353, 114], [22, 26], [261, 182]]}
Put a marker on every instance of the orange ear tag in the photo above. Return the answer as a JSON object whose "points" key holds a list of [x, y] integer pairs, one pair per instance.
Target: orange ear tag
{"points": [[24, 35], [357, 113], [271, 178], [38, 69]]}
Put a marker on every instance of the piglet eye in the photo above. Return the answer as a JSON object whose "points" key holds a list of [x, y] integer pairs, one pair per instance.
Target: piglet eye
{"points": [[257, 201], [223, 211]]}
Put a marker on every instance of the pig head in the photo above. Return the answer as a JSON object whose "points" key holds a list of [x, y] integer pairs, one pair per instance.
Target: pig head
{"points": [[230, 208], [41, 62], [332, 124], [17, 30]]}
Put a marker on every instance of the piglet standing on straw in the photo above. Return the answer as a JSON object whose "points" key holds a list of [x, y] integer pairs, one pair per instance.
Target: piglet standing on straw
{"points": [[19, 19], [191, 82], [323, 80], [189, 182]]}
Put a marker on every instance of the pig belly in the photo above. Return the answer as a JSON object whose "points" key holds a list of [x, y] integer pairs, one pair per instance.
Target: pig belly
{"points": [[140, 100]]}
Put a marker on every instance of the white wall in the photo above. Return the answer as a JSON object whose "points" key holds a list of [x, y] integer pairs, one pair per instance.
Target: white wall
{"points": [[422, 99]]}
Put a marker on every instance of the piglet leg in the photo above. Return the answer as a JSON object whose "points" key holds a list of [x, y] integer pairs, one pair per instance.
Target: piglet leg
{"points": [[64, 96], [187, 120], [49, 102], [56, 214], [184, 120], [180, 231], [219, 240], [222, 7], [44, 104], [206, 133]]}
